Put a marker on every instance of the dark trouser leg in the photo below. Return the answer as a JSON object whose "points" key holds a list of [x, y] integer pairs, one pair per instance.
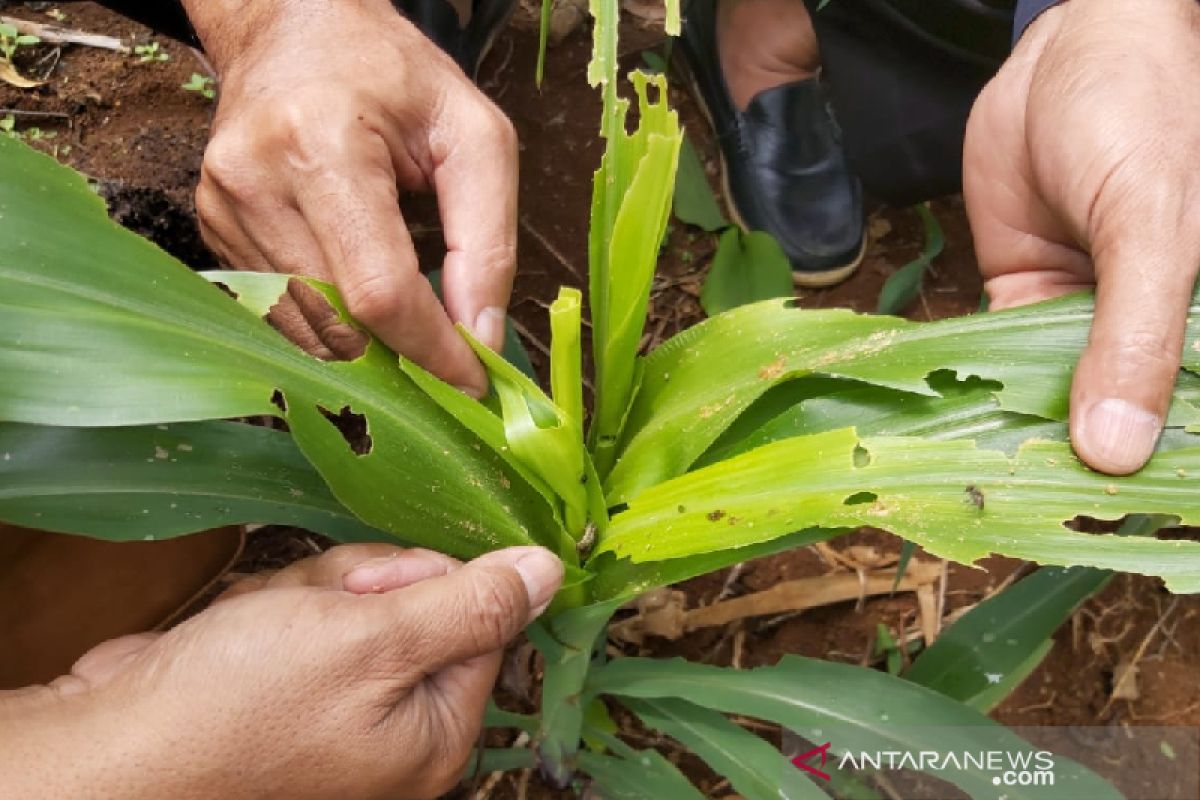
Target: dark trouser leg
{"points": [[901, 103], [162, 16], [437, 19]]}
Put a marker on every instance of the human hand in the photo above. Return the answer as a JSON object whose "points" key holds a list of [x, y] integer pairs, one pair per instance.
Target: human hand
{"points": [[361, 673], [326, 112], [1080, 169]]}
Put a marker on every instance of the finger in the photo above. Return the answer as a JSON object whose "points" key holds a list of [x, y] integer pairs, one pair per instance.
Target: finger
{"points": [[1022, 288], [356, 220], [103, 662], [397, 570], [1123, 385], [306, 317], [476, 185], [326, 570], [473, 611], [223, 233]]}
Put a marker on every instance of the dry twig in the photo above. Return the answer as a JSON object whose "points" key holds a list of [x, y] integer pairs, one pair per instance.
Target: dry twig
{"points": [[56, 34]]}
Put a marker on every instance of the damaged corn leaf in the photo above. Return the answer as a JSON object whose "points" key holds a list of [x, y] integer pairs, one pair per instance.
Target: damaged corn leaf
{"points": [[699, 382], [955, 500], [98, 327], [160, 481], [542, 437], [631, 203]]}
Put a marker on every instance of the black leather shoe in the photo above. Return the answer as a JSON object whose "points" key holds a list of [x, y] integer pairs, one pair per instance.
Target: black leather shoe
{"points": [[784, 171], [468, 45]]}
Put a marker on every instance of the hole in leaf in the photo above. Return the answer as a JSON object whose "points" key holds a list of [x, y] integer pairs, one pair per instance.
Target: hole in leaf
{"points": [[278, 400], [352, 427], [225, 288], [306, 317], [862, 456], [858, 498], [947, 383]]}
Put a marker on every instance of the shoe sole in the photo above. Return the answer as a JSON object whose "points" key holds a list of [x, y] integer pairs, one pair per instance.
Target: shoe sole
{"points": [[821, 279]]}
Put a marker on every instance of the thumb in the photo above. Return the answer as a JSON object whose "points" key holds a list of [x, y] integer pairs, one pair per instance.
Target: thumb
{"points": [[1126, 375], [469, 612]]}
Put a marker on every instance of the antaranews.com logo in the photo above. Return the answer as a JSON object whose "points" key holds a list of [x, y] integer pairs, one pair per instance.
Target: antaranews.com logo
{"points": [[1103, 762], [1007, 767]]}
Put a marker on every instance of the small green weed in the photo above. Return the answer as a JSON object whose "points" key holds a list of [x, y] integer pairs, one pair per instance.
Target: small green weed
{"points": [[201, 85], [8, 127], [152, 52], [11, 39]]}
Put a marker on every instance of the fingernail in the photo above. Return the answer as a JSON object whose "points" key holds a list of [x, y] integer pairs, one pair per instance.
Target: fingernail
{"points": [[489, 327], [369, 576], [1120, 435], [542, 573]]}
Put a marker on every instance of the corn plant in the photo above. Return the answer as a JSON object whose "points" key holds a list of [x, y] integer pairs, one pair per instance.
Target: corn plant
{"points": [[764, 428]]}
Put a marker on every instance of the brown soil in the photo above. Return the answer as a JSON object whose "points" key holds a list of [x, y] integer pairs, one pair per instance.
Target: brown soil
{"points": [[132, 128]]}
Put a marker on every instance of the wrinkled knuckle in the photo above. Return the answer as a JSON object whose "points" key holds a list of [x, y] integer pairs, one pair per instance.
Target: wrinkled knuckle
{"points": [[229, 167], [1147, 348], [496, 610], [374, 298], [208, 205]]}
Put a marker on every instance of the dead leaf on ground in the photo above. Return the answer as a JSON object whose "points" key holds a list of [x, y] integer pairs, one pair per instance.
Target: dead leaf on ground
{"points": [[1125, 681], [9, 74]]}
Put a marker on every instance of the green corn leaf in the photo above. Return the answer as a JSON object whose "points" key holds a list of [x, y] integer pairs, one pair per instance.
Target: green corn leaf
{"points": [[853, 709], [567, 643], [753, 767], [672, 23], [903, 286], [544, 440], [967, 410], [747, 268], [988, 652], [886, 646], [496, 717], [635, 774], [159, 481], [694, 200], [955, 500], [499, 759], [100, 328], [547, 12], [566, 355], [597, 718], [622, 579], [907, 551], [513, 351], [630, 205], [699, 382]]}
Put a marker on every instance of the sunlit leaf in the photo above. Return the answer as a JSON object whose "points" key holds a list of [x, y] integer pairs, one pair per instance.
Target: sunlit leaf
{"points": [[699, 382], [957, 501], [630, 206]]}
